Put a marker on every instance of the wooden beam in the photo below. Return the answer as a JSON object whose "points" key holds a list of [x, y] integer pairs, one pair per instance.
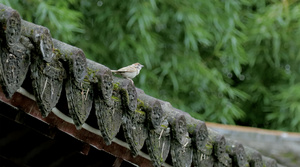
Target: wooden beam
{"points": [[30, 107]]}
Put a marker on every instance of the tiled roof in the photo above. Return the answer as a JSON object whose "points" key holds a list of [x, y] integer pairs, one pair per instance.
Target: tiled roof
{"points": [[60, 73]]}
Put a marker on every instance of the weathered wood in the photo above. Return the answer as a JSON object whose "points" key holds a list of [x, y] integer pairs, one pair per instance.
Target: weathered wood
{"points": [[201, 139], [87, 134], [128, 94], [254, 157], [14, 51], [269, 162], [192, 123], [202, 146], [10, 26], [158, 141], [237, 152], [103, 78], [47, 81], [134, 115], [134, 130], [80, 96], [118, 162], [181, 150], [79, 83], [109, 117], [74, 58], [47, 72], [220, 152], [41, 38], [108, 108], [14, 64]]}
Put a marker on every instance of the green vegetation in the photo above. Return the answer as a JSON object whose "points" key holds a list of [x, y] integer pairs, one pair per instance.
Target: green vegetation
{"points": [[164, 126], [141, 105], [233, 62], [140, 112], [115, 98], [116, 86]]}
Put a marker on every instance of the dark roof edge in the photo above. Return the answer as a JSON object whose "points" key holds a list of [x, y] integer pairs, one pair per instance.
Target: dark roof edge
{"points": [[22, 99]]}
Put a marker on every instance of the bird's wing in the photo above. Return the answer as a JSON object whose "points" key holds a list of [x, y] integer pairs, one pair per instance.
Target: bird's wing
{"points": [[118, 71], [126, 69], [121, 71]]}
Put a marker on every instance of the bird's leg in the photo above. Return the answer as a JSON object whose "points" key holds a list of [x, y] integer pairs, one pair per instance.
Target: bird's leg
{"points": [[130, 80]]}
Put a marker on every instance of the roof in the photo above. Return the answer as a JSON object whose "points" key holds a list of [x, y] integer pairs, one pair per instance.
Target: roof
{"points": [[54, 83], [265, 141]]}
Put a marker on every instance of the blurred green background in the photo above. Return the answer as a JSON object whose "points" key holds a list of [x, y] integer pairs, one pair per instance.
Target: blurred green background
{"points": [[226, 61]]}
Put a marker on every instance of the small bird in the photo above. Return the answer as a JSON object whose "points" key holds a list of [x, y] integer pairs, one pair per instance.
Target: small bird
{"points": [[129, 72]]}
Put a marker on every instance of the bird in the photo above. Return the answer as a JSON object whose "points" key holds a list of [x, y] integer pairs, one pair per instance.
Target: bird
{"points": [[129, 72]]}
